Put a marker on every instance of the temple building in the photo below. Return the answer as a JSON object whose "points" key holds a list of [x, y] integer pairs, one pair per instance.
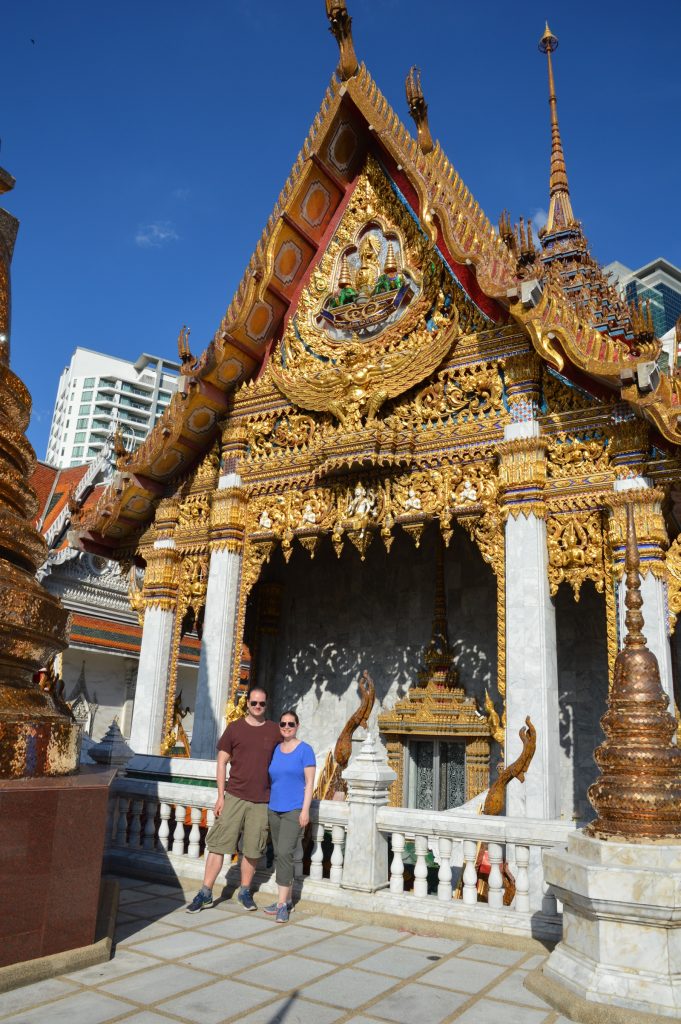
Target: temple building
{"points": [[407, 449]]}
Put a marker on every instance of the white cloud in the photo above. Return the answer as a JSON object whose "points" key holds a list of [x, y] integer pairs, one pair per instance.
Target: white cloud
{"points": [[539, 219], [153, 236]]}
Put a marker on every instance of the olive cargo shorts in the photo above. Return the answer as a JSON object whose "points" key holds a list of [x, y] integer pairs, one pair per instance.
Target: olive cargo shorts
{"points": [[239, 816]]}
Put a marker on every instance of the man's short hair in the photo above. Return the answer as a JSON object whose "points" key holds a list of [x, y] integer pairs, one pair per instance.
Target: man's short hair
{"points": [[256, 689]]}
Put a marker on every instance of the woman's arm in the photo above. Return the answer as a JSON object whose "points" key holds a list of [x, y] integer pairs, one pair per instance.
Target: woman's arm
{"points": [[304, 818]]}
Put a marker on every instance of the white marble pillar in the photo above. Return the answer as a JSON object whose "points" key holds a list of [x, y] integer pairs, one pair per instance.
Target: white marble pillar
{"points": [[217, 642], [365, 866], [655, 606], [531, 658], [146, 733]]}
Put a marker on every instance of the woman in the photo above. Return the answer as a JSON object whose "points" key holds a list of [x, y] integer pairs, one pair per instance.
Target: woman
{"points": [[292, 771]]}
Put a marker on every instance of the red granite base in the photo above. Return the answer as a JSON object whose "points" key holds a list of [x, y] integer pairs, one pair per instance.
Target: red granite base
{"points": [[51, 862]]}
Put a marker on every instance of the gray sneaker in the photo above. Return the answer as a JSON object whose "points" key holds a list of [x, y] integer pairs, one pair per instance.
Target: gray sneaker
{"points": [[200, 902], [245, 899], [282, 914], [274, 907]]}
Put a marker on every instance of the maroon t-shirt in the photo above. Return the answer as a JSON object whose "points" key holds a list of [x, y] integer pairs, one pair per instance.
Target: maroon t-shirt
{"points": [[250, 748]]}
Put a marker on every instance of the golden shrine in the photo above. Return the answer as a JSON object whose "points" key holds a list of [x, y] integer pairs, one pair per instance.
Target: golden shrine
{"points": [[393, 366]]}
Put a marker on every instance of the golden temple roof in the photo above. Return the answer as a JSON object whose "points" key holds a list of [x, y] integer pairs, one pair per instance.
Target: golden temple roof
{"points": [[355, 119]]}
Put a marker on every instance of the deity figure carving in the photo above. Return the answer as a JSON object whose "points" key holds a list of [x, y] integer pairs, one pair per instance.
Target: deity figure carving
{"points": [[468, 491], [362, 505], [412, 503], [369, 266], [309, 514], [265, 521]]}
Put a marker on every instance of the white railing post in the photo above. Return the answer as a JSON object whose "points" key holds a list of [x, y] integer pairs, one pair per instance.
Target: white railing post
{"points": [[194, 848], [444, 875], [150, 825], [366, 850], [178, 837], [421, 868], [317, 858], [164, 827], [522, 880], [397, 866], [470, 875], [495, 894], [338, 839]]}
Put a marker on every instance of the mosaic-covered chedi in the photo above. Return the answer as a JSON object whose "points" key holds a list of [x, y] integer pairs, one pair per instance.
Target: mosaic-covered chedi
{"points": [[38, 735]]}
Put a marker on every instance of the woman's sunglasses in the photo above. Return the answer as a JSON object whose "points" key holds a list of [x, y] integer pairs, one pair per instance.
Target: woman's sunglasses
{"points": [[287, 725]]}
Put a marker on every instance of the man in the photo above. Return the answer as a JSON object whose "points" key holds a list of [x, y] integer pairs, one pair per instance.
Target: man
{"points": [[247, 746]]}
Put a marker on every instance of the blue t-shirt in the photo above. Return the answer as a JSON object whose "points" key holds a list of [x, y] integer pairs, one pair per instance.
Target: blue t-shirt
{"points": [[287, 775]]}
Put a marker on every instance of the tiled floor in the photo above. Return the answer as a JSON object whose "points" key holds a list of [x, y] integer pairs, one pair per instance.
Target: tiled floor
{"points": [[225, 964]]}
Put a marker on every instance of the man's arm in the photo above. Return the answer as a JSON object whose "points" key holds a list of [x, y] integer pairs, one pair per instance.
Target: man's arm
{"points": [[221, 780]]}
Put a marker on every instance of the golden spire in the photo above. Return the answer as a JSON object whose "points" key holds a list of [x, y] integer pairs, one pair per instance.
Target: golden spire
{"points": [[390, 265], [340, 26], [638, 794], [560, 208], [418, 108], [345, 274]]}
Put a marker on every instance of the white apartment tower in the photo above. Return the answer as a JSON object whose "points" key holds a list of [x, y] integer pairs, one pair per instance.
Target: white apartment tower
{"points": [[98, 393]]}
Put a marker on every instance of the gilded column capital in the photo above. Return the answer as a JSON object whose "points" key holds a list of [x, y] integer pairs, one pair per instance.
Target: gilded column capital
{"points": [[233, 444], [166, 519], [651, 530], [161, 577], [522, 475], [228, 518], [630, 445], [522, 386]]}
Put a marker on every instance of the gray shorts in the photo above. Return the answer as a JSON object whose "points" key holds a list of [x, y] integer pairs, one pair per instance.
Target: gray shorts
{"points": [[239, 817]]}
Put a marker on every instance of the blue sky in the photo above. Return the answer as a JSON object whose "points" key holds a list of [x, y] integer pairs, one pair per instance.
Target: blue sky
{"points": [[150, 140]]}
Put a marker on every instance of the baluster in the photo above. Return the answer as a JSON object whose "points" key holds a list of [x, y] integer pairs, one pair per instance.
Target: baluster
{"points": [[194, 848], [136, 823], [149, 837], [470, 875], [421, 868], [522, 880], [178, 837], [444, 875], [164, 827], [397, 865], [317, 858], [495, 894], [122, 830], [298, 858], [338, 839]]}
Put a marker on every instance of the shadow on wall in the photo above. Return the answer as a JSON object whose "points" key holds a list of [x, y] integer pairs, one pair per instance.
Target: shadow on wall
{"points": [[342, 615], [582, 692]]}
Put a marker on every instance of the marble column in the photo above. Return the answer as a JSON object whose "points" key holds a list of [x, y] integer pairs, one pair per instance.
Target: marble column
{"points": [[219, 623], [365, 865], [531, 653], [653, 588]]}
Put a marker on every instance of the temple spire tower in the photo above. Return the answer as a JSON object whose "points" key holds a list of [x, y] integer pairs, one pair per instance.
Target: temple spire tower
{"points": [[560, 208]]}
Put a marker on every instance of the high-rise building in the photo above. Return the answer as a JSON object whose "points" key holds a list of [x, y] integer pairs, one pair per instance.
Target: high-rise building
{"points": [[658, 282], [99, 393]]}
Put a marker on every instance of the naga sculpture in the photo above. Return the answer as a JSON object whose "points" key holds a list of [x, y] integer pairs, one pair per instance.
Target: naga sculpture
{"points": [[496, 797], [330, 781]]}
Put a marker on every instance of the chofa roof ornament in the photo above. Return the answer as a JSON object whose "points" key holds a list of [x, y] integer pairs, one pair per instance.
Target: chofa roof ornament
{"points": [[418, 108], [340, 25]]}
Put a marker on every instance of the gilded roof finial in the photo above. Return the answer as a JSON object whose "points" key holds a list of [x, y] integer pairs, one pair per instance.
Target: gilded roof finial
{"points": [[344, 274], [418, 108], [390, 265], [340, 26], [560, 209], [183, 350], [638, 795]]}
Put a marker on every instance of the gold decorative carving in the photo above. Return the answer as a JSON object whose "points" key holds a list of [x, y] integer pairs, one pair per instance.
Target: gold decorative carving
{"points": [[673, 563], [650, 528], [330, 780], [496, 798], [227, 519], [235, 708], [340, 26], [570, 457], [177, 733], [522, 475], [160, 577], [638, 795], [575, 544]]}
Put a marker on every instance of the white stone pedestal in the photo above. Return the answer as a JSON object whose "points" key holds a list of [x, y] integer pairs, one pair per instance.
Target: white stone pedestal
{"points": [[365, 866], [621, 944]]}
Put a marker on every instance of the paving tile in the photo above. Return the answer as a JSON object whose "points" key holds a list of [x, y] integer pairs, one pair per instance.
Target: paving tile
{"points": [[137, 931], [146, 1017], [125, 961], [124, 883], [82, 1008], [292, 1010], [364, 1020], [398, 962], [228, 927], [324, 924], [221, 1001], [157, 889], [229, 958], [341, 949], [431, 944], [285, 973], [129, 896], [349, 989], [286, 938], [181, 919], [33, 995], [154, 908], [488, 1011], [491, 954], [418, 1003], [148, 987], [512, 988], [464, 975], [178, 944], [378, 934], [533, 961]]}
